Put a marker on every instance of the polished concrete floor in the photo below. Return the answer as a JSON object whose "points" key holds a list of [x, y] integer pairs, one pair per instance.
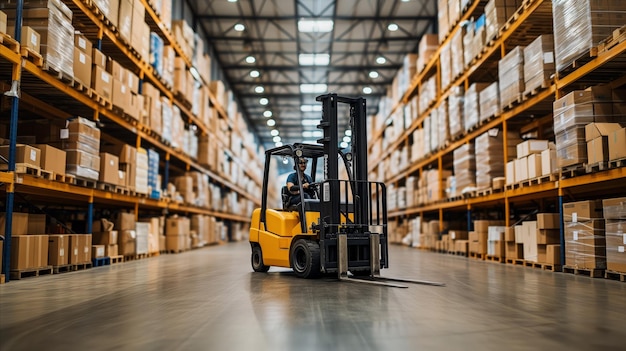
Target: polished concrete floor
{"points": [[209, 299]]}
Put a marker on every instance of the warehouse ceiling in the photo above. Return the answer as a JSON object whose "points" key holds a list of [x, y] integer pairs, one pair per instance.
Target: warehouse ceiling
{"points": [[278, 55]]}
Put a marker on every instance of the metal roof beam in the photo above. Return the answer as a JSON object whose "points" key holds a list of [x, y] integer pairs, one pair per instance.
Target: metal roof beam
{"points": [[336, 18], [320, 68]]}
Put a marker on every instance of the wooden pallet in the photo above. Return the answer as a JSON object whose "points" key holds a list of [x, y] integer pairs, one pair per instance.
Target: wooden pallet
{"points": [[596, 167], [617, 163], [106, 187], [494, 258], [551, 267], [62, 76], [117, 259], [135, 257], [62, 268], [49, 175], [573, 171], [23, 168], [79, 86], [101, 261], [618, 36], [174, 251], [102, 101], [614, 275], [31, 272], [514, 261], [532, 91], [81, 266], [32, 56], [87, 183], [589, 272], [477, 256], [457, 253], [578, 62], [9, 42], [518, 99]]}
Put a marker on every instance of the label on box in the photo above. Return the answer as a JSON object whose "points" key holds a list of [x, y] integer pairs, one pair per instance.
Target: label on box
{"points": [[624, 235], [81, 58], [620, 249], [33, 155], [123, 89], [82, 43], [493, 132], [86, 250], [574, 217], [62, 252], [548, 57], [105, 77], [75, 252], [575, 235], [33, 38], [65, 134], [111, 162]]}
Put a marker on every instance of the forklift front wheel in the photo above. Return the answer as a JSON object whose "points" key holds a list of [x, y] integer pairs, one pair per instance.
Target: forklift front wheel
{"points": [[257, 260], [305, 258]]}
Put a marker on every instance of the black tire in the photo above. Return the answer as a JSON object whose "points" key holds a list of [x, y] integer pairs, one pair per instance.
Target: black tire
{"points": [[305, 258], [365, 273], [257, 260]]}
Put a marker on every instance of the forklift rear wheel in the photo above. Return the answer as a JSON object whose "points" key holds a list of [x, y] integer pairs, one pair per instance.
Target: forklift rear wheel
{"points": [[257, 260], [305, 258]]}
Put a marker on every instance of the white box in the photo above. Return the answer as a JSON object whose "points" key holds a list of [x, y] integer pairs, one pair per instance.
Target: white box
{"points": [[531, 147], [530, 240], [510, 172], [534, 166], [521, 169], [548, 162], [519, 234]]}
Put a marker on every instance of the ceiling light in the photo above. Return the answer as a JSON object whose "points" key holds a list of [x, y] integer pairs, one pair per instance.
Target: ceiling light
{"points": [[373, 74], [313, 88], [196, 75], [343, 145], [279, 144], [254, 73], [310, 122], [267, 114], [314, 59], [311, 108], [347, 139], [250, 59], [315, 26], [274, 132], [239, 27], [259, 89], [271, 122], [392, 27], [276, 139], [367, 90], [348, 132], [232, 0], [405, 0], [381, 60], [264, 101]]}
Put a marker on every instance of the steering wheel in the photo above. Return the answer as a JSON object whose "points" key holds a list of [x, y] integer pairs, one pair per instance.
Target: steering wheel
{"points": [[315, 186]]}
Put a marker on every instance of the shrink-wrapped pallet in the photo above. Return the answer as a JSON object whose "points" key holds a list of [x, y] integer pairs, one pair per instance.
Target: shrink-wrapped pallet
{"points": [[455, 111], [489, 102], [538, 63], [511, 77], [465, 167]]}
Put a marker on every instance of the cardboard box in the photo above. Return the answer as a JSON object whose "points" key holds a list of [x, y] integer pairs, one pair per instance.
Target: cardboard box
{"points": [[585, 244], [534, 166], [20, 251], [82, 67], [31, 39], [111, 250], [97, 251], [616, 245], [548, 236], [510, 172], [177, 226], [39, 251], [26, 154], [127, 242], [514, 250], [109, 167], [529, 147], [614, 208], [125, 19], [175, 242], [52, 159], [105, 238], [74, 245], [548, 221], [82, 159], [617, 144], [3, 22], [36, 224], [598, 150], [99, 59], [58, 250], [582, 211], [83, 44], [596, 130], [548, 162], [553, 254], [102, 82], [529, 229], [521, 169], [458, 234], [19, 223], [125, 221], [509, 234]]}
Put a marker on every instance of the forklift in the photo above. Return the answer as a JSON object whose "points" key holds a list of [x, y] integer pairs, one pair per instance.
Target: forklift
{"points": [[343, 228]]}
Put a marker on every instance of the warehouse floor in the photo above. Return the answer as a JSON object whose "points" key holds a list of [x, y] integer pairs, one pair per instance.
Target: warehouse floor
{"points": [[209, 299]]}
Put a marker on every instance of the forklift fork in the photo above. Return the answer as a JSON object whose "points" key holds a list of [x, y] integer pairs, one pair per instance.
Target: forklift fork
{"points": [[374, 278]]}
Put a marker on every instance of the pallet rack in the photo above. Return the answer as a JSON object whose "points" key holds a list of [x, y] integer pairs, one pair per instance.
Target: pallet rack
{"points": [[532, 19], [43, 93]]}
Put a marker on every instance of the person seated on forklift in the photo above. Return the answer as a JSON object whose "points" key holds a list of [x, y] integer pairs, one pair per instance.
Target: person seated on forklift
{"points": [[292, 183]]}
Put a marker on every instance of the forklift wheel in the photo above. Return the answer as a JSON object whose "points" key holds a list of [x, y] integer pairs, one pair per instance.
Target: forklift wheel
{"points": [[257, 260], [305, 258]]}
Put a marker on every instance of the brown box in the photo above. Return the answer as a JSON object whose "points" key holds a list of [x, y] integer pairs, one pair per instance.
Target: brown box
{"points": [[125, 19], [82, 67], [21, 251], [177, 226], [582, 211], [39, 251], [30, 39], [553, 254], [97, 251], [614, 208], [74, 245], [52, 159], [509, 234], [616, 245], [598, 150], [175, 242], [127, 242], [36, 224], [86, 245], [595, 130], [585, 244], [105, 238], [102, 82], [125, 221], [483, 225], [3, 22], [109, 167], [26, 154], [548, 236], [20, 223], [514, 250], [58, 250], [548, 221], [83, 44], [617, 144], [121, 95], [458, 234], [111, 250], [99, 59]]}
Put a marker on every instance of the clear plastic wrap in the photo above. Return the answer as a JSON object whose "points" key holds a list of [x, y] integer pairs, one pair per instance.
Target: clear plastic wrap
{"points": [[580, 25], [178, 128], [489, 102], [443, 130], [465, 167], [445, 61], [427, 135], [585, 244], [166, 119], [142, 230], [511, 77], [443, 20], [490, 161], [468, 41], [455, 111], [454, 11], [456, 52], [538, 63], [470, 106], [417, 148], [434, 130], [82, 164], [427, 94], [616, 243]]}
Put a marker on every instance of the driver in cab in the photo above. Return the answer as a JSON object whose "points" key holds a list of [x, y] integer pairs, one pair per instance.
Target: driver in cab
{"points": [[292, 183]]}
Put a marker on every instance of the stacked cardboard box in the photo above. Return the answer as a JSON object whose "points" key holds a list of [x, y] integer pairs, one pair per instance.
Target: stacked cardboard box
{"points": [[615, 216], [184, 36], [125, 225], [140, 31], [443, 23], [456, 52], [82, 60], [471, 106], [101, 79], [513, 250], [109, 8], [571, 114], [445, 62], [490, 156], [455, 111], [82, 145], [538, 63], [597, 138], [427, 94], [529, 161], [108, 239], [141, 171], [156, 52], [458, 241], [427, 47], [495, 241], [29, 251], [142, 231], [24, 154], [497, 12], [177, 232], [548, 238], [585, 241], [489, 102], [443, 130], [3, 22], [480, 36], [152, 106], [511, 77], [479, 238], [580, 25], [465, 168]]}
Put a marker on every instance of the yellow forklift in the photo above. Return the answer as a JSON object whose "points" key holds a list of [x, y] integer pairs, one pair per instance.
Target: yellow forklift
{"points": [[344, 227]]}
